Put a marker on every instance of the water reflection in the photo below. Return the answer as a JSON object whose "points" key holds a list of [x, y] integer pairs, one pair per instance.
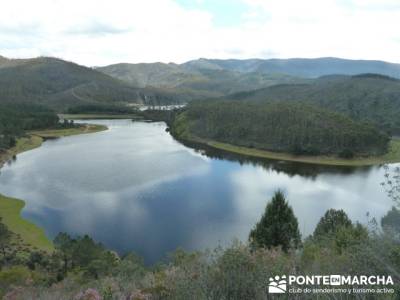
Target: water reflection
{"points": [[289, 168], [134, 187]]}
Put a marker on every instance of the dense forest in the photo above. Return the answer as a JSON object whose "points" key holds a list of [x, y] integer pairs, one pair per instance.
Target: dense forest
{"points": [[16, 118], [101, 109], [281, 127], [60, 85], [365, 97]]}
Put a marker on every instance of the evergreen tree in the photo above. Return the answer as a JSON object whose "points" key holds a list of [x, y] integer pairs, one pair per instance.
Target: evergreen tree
{"points": [[278, 226], [391, 221], [331, 222]]}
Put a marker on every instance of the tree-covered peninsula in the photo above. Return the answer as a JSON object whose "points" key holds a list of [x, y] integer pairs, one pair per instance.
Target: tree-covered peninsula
{"points": [[294, 128]]}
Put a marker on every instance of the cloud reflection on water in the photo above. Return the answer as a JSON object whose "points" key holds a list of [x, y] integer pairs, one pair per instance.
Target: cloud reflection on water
{"points": [[134, 187]]}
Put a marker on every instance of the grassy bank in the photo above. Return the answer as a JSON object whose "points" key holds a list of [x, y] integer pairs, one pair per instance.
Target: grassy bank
{"points": [[181, 128], [35, 138], [10, 208], [393, 156], [10, 212], [98, 116], [23, 144], [56, 133], [180, 131]]}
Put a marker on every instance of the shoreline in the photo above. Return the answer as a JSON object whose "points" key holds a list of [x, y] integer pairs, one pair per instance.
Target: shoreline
{"points": [[98, 116], [35, 138], [33, 235], [11, 208], [393, 156]]}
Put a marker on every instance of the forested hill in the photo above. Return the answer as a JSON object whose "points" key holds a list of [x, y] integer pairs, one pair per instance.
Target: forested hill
{"points": [[281, 127], [369, 97], [211, 78], [60, 84], [193, 83]]}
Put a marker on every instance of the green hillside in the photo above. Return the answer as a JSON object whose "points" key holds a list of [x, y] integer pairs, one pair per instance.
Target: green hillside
{"points": [[188, 83], [59, 84], [370, 97], [281, 127], [149, 74]]}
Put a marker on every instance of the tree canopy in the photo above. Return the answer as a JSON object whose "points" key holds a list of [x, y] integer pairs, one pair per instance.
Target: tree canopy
{"points": [[18, 117], [331, 222], [282, 127], [278, 226]]}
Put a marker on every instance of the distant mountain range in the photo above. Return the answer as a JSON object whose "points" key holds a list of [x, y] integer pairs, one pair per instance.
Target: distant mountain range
{"points": [[214, 78], [195, 80], [299, 67], [61, 85], [232, 75]]}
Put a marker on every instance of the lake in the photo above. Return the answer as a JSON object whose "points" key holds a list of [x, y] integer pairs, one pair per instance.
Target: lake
{"points": [[135, 188]]}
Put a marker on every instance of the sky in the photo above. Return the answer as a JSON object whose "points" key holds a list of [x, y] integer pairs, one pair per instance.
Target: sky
{"points": [[102, 32]]}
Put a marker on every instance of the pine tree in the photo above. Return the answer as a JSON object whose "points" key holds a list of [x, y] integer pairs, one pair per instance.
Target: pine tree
{"points": [[278, 226], [331, 222]]}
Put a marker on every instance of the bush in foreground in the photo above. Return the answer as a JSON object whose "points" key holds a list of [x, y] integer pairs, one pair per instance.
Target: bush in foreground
{"points": [[83, 269]]}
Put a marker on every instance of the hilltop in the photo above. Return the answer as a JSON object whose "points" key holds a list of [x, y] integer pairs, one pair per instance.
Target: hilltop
{"points": [[193, 82], [299, 67], [60, 84], [213, 78], [368, 97]]}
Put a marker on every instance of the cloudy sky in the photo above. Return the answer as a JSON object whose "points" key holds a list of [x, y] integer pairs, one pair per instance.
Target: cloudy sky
{"points": [[100, 32]]}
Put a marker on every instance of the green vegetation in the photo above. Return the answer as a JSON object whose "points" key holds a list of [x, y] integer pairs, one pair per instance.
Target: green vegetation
{"points": [[31, 267], [156, 115], [303, 67], [26, 233], [392, 156], [102, 109], [22, 144], [61, 85], [281, 131], [84, 253], [98, 116], [211, 78], [367, 97], [34, 138], [82, 269], [56, 133], [79, 268], [278, 226], [10, 213], [331, 222], [15, 119], [391, 221], [159, 115], [188, 82], [392, 183], [19, 120]]}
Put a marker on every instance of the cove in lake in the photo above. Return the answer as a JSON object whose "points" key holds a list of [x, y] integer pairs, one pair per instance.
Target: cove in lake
{"points": [[135, 188]]}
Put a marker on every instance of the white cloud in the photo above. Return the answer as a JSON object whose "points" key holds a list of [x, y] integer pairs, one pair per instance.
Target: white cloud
{"points": [[94, 32]]}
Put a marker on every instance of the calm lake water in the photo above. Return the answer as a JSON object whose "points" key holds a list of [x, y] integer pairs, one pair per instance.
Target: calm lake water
{"points": [[134, 188]]}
